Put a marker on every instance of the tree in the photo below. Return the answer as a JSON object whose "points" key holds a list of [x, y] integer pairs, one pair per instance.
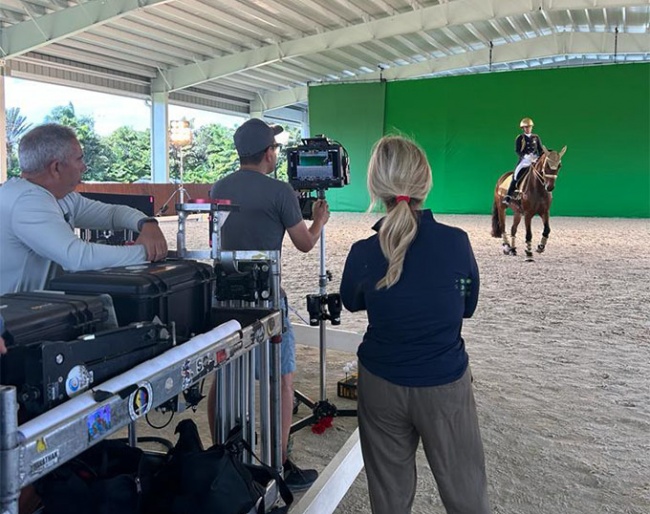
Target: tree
{"points": [[294, 140], [16, 125], [211, 155], [130, 154], [96, 155], [215, 151]]}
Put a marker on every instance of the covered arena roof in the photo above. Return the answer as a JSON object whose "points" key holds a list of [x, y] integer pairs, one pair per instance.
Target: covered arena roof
{"points": [[242, 56]]}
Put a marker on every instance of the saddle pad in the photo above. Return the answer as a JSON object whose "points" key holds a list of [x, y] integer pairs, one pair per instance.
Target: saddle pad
{"points": [[503, 187]]}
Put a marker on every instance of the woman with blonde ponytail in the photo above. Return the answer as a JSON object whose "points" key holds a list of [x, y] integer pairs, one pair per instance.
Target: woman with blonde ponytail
{"points": [[417, 279]]}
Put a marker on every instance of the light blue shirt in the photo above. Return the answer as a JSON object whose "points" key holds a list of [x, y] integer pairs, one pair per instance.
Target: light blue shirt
{"points": [[37, 236]]}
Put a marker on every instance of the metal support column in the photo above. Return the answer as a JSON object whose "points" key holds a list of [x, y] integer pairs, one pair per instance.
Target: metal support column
{"points": [[4, 157], [159, 138]]}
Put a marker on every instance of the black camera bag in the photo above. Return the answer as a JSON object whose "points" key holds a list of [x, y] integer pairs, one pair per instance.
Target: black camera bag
{"points": [[214, 480], [111, 477]]}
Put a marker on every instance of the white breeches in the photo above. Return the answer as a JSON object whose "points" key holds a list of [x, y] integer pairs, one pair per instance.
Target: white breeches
{"points": [[526, 160]]}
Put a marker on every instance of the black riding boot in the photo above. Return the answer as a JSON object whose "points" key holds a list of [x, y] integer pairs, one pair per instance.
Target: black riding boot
{"points": [[511, 191]]}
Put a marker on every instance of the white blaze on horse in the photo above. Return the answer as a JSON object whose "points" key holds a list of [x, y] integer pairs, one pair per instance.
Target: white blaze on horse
{"points": [[535, 197]]}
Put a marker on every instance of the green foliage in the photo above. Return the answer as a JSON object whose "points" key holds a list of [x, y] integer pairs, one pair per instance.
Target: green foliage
{"points": [[16, 125], [294, 140], [211, 156], [96, 154], [125, 155], [130, 155]]}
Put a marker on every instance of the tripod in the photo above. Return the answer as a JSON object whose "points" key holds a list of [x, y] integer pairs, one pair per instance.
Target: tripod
{"points": [[322, 307], [180, 190]]}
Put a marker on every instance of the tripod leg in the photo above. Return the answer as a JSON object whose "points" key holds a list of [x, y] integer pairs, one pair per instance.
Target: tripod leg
{"points": [[304, 399]]}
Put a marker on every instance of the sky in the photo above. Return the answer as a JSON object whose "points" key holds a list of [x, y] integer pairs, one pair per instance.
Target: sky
{"points": [[37, 99]]}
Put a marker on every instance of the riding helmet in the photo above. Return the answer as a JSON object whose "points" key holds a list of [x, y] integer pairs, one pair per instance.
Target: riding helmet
{"points": [[526, 122]]}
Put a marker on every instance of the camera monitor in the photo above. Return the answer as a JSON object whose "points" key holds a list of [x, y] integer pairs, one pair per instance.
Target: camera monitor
{"points": [[317, 164]]}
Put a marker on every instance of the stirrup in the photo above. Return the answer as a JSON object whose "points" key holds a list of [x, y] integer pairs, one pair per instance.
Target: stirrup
{"points": [[506, 200]]}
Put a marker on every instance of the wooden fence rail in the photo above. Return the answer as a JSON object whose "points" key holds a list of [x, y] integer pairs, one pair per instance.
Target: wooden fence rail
{"points": [[160, 192]]}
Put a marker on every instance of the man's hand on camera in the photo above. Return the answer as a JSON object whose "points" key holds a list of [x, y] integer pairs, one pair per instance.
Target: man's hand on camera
{"points": [[152, 238], [321, 212]]}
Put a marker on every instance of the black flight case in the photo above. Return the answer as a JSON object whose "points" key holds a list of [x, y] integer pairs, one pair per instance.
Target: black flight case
{"points": [[32, 317], [44, 316], [178, 291], [55, 371]]}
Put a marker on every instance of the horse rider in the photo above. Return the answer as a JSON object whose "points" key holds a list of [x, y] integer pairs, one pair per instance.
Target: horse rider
{"points": [[529, 148]]}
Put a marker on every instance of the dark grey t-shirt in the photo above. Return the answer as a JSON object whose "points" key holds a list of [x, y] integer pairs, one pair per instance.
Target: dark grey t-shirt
{"points": [[267, 208]]}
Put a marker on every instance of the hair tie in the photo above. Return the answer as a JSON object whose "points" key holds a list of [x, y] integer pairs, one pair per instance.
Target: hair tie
{"points": [[402, 198]]}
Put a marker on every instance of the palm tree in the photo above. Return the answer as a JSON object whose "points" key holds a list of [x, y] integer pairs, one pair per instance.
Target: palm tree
{"points": [[16, 125]]}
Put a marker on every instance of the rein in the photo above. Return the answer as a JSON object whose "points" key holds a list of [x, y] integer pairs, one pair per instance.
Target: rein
{"points": [[541, 175]]}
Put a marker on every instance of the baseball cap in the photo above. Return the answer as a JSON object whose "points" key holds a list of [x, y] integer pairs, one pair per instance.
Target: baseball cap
{"points": [[254, 136]]}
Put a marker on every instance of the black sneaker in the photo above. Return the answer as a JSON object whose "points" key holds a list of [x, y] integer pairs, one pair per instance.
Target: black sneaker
{"points": [[298, 479]]}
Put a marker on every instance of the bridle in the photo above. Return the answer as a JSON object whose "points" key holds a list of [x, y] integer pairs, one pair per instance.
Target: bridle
{"points": [[542, 176]]}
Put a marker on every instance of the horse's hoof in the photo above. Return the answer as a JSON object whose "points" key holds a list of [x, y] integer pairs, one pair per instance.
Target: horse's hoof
{"points": [[540, 249], [513, 251]]}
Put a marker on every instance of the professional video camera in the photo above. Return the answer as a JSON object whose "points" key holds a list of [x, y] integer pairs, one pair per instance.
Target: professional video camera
{"points": [[316, 165]]}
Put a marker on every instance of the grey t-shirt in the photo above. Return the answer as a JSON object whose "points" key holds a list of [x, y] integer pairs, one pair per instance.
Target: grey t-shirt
{"points": [[267, 208]]}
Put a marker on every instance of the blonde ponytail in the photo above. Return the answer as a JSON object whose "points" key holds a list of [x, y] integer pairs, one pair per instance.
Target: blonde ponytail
{"points": [[398, 167]]}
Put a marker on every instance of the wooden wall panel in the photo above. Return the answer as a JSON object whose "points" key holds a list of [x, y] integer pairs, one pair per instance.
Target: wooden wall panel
{"points": [[160, 192]]}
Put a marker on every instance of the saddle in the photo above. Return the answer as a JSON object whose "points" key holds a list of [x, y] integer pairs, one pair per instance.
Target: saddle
{"points": [[505, 185]]}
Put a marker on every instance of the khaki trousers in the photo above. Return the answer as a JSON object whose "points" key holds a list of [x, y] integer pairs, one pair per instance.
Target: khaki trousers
{"points": [[393, 419]]}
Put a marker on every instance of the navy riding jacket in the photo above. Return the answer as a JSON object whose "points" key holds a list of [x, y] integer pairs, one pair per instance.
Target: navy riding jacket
{"points": [[528, 145], [414, 327]]}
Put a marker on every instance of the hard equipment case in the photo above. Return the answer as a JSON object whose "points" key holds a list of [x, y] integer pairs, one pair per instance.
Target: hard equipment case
{"points": [[178, 291], [40, 316], [55, 371]]}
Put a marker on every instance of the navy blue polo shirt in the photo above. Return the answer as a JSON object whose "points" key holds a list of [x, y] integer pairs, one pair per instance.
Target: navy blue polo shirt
{"points": [[414, 327]]}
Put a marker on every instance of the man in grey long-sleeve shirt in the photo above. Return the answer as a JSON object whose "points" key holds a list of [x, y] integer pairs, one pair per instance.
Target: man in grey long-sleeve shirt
{"points": [[40, 210]]}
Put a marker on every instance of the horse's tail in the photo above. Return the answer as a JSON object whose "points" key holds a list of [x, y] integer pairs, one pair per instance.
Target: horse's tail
{"points": [[497, 230], [497, 226]]}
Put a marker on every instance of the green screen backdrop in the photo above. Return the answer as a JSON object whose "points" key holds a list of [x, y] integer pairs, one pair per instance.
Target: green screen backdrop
{"points": [[353, 115], [468, 124]]}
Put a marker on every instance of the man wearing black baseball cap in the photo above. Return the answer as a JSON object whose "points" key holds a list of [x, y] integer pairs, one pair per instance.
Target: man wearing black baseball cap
{"points": [[268, 208], [255, 136]]}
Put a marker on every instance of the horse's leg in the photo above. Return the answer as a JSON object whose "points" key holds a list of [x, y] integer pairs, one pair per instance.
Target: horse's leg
{"points": [[507, 249], [529, 237], [516, 218], [547, 230]]}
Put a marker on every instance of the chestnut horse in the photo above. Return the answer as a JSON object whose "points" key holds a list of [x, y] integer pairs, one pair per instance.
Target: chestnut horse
{"points": [[535, 199]]}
